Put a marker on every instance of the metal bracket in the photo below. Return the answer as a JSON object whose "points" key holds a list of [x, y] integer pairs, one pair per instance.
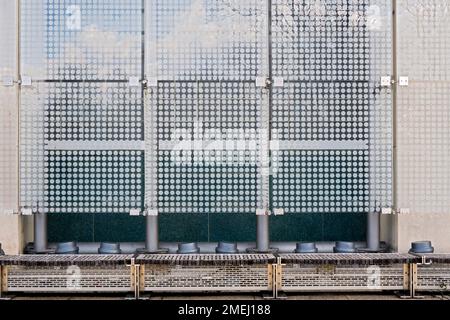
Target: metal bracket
{"points": [[135, 212], [151, 212], [403, 211], [26, 211], [262, 212], [403, 81], [425, 262], [386, 81], [263, 82], [4, 279], [134, 82], [278, 82], [386, 211], [135, 278], [275, 276], [26, 81], [8, 81], [152, 82], [278, 212]]}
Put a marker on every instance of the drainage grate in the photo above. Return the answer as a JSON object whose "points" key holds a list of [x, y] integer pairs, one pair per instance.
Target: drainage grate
{"points": [[231, 273], [65, 260], [349, 259], [68, 279], [344, 272], [434, 277]]}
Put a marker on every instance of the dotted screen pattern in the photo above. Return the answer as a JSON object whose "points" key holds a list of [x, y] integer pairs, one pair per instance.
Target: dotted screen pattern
{"points": [[93, 111], [207, 40], [326, 181], [332, 55], [206, 56], [80, 56], [423, 107], [32, 165], [82, 40], [216, 179], [93, 181], [182, 60]]}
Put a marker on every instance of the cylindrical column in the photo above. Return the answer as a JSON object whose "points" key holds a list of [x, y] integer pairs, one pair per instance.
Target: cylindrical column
{"points": [[373, 231], [262, 233], [152, 237], [40, 232]]}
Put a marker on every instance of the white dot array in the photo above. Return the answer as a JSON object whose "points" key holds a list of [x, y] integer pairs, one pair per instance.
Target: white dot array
{"points": [[93, 111], [332, 55], [105, 44], [322, 181], [208, 40], [323, 111], [207, 181], [93, 181]]}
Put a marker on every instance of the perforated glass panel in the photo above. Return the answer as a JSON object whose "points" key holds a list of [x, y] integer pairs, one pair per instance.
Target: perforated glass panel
{"points": [[207, 40], [93, 181], [206, 57], [32, 114], [208, 148], [332, 116], [93, 112], [82, 133], [82, 40]]}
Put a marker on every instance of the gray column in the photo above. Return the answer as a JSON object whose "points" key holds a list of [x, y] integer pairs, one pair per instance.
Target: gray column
{"points": [[262, 233], [373, 231], [152, 237], [40, 232]]}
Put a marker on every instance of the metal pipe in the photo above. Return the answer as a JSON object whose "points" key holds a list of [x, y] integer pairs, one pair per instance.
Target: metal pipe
{"points": [[373, 231], [262, 233], [40, 233], [152, 238], [207, 247]]}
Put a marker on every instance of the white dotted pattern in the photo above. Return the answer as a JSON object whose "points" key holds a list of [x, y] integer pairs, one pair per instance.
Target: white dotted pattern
{"points": [[332, 55], [82, 40]]}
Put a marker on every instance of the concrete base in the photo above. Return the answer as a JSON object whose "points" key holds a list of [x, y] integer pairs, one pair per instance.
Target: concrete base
{"points": [[11, 234], [421, 226]]}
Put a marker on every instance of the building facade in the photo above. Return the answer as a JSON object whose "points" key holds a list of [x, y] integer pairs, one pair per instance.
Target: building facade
{"points": [[325, 120]]}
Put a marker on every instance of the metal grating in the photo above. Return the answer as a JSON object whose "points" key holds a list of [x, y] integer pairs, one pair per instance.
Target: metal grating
{"points": [[230, 278], [331, 278], [206, 259], [65, 260], [435, 277], [69, 279], [206, 272], [339, 259]]}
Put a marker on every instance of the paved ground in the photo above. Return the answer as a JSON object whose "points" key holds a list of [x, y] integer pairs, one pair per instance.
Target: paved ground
{"points": [[232, 297]]}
